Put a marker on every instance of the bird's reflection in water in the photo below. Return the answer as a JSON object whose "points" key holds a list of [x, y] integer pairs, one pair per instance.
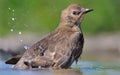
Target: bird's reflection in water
{"points": [[67, 72], [40, 72]]}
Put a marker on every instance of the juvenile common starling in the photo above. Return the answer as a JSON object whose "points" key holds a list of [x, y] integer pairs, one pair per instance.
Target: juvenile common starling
{"points": [[60, 48]]}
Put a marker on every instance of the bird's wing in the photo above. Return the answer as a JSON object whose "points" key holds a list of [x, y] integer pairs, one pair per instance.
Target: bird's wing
{"points": [[47, 42], [39, 61], [46, 47], [79, 47]]}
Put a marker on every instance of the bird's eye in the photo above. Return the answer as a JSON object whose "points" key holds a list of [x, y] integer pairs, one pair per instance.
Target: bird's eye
{"points": [[76, 12]]}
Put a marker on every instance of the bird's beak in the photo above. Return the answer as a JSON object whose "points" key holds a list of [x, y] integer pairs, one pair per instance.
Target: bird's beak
{"points": [[88, 10]]}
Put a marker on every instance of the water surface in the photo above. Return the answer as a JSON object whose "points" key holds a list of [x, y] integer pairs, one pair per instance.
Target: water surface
{"points": [[82, 68]]}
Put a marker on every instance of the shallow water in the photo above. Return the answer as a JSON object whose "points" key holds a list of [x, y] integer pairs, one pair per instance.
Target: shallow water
{"points": [[82, 68]]}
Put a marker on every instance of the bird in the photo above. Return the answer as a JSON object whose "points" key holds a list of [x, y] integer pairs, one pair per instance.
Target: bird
{"points": [[60, 48]]}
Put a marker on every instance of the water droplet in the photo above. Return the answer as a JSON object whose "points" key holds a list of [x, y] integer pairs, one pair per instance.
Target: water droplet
{"points": [[26, 47], [11, 30], [9, 8], [21, 40], [13, 10], [19, 33], [13, 19]]}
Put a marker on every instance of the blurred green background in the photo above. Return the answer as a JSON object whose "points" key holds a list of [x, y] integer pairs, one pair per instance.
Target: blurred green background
{"points": [[43, 16]]}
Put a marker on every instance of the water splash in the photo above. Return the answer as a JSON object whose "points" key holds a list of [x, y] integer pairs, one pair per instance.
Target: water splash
{"points": [[13, 10], [11, 30], [20, 36], [9, 8], [13, 24], [20, 39], [19, 32], [26, 47], [13, 19]]}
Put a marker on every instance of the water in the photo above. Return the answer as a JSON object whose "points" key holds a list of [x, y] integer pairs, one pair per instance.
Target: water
{"points": [[12, 29], [82, 68], [13, 19], [98, 68]]}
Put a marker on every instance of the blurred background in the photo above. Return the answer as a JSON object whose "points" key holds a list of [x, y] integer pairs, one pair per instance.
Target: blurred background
{"points": [[23, 22]]}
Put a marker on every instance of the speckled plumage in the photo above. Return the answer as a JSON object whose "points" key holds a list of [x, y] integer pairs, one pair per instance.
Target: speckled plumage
{"points": [[60, 48]]}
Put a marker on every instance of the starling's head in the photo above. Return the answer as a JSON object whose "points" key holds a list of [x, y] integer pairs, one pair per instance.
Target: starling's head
{"points": [[74, 13]]}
